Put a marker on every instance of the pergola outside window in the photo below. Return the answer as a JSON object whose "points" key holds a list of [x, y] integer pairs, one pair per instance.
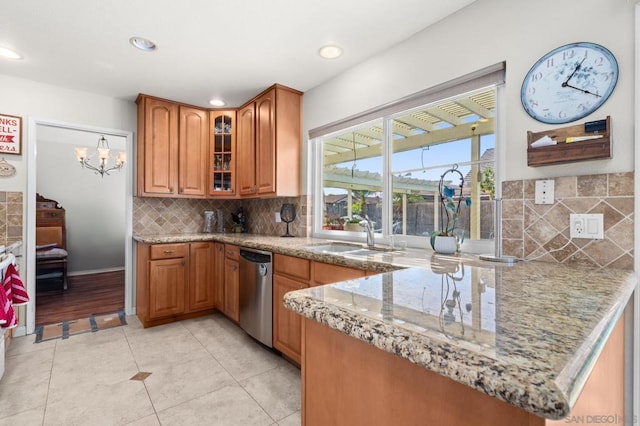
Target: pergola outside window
{"points": [[388, 169]]}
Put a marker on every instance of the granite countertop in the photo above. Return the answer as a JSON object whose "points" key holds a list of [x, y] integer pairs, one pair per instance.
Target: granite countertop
{"points": [[380, 261], [527, 333]]}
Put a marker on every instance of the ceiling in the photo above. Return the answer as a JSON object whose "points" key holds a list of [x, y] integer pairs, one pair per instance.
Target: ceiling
{"points": [[206, 48]]}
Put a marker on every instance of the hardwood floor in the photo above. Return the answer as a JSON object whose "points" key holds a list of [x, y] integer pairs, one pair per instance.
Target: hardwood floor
{"points": [[85, 295]]}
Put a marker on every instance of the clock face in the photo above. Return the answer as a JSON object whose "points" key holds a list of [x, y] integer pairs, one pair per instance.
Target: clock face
{"points": [[569, 83]]}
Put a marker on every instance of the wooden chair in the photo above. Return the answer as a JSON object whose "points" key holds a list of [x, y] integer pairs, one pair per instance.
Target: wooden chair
{"points": [[51, 258]]}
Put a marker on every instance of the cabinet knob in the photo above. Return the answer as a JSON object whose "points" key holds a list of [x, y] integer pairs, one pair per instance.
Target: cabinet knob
{"points": [[169, 251], [235, 268]]}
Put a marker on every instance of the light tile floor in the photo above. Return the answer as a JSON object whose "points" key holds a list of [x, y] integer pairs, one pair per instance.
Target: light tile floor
{"points": [[204, 371]]}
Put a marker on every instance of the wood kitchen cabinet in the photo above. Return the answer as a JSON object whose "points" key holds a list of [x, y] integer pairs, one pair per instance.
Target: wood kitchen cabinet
{"points": [[290, 274], [269, 142], [157, 157], [201, 276], [173, 281], [193, 148], [222, 154], [218, 276], [232, 282], [246, 148], [173, 144], [326, 273]]}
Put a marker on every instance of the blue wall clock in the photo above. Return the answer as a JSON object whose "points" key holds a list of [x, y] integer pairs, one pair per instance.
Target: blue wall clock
{"points": [[569, 83]]}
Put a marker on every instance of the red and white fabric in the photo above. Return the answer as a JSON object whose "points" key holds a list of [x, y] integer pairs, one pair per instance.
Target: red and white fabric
{"points": [[7, 314], [14, 287]]}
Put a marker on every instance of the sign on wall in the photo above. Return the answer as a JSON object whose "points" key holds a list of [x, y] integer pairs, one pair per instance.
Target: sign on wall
{"points": [[10, 134]]}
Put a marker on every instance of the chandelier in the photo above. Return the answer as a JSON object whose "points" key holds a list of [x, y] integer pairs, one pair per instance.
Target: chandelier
{"points": [[101, 154]]}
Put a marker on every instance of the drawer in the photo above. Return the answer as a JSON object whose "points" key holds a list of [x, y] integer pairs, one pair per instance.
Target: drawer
{"points": [[292, 266], [168, 251], [232, 252], [50, 213], [326, 273]]}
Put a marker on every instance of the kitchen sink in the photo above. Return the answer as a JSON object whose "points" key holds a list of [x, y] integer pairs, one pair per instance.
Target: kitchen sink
{"points": [[349, 249], [334, 247]]}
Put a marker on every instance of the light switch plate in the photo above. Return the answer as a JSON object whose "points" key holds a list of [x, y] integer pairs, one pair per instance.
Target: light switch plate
{"points": [[544, 191], [589, 226], [278, 218]]}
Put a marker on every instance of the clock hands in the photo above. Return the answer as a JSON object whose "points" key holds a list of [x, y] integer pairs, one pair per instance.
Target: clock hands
{"points": [[566, 82], [573, 73]]}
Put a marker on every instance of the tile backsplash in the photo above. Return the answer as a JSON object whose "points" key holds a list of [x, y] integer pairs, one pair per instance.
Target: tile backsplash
{"points": [[177, 215], [541, 231], [11, 217]]}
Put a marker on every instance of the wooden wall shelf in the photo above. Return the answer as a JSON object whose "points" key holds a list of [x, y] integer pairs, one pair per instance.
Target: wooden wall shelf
{"points": [[569, 152]]}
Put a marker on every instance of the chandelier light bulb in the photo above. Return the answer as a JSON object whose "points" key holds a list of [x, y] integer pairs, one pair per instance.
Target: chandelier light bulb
{"points": [[102, 155], [81, 153]]}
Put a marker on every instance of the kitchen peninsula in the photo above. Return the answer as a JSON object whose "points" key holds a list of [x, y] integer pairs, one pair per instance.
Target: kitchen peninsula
{"points": [[441, 340], [428, 346]]}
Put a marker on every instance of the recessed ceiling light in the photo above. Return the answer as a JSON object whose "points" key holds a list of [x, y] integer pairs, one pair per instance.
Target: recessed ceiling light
{"points": [[9, 54], [142, 44], [217, 102], [330, 51]]}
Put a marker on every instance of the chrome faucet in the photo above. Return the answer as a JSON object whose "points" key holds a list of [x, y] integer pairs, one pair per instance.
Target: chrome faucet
{"points": [[369, 228]]}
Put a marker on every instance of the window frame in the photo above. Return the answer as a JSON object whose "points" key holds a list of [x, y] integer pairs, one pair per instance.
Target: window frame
{"points": [[490, 77]]}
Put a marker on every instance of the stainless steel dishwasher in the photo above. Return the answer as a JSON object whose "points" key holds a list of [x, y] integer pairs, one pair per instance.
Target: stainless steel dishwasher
{"points": [[256, 294]]}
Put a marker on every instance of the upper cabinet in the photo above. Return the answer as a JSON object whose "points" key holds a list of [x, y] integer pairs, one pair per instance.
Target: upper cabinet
{"points": [[246, 149], [157, 172], [173, 143], [269, 142], [193, 147], [189, 152], [222, 154]]}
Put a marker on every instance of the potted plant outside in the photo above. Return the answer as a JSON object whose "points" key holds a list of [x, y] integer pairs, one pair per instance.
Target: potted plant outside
{"points": [[353, 225], [447, 238]]}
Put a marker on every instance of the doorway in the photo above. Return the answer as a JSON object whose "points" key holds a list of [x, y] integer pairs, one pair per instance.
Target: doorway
{"points": [[99, 214]]}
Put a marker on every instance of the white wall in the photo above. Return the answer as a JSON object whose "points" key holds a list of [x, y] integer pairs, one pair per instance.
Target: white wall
{"points": [[485, 33], [94, 205], [27, 99]]}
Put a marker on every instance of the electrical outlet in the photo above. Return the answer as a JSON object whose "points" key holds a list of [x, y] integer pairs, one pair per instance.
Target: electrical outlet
{"points": [[278, 218], [544, 191], [589, 226]]}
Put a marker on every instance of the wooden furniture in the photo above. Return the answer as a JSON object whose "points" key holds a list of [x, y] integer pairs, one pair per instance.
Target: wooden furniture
{"points": [[289, 274], [201, 276], [222, 148], [174, 281], [218, 276], [51, 259], [189, 152], [173, 144], [346, 381], [269, 142], [51, 237], [569, 152], [292, 273], [232, 282], [193, 149]]}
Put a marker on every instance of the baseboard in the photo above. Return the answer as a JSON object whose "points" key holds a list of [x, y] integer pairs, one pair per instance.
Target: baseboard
{"points": [[94, 271]]}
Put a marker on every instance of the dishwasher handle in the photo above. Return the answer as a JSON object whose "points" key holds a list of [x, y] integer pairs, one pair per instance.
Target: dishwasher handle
{"points": [[255, 256]]}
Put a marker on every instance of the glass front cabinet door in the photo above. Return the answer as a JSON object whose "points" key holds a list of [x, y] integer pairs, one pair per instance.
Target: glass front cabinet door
{"points": [[222, 181]]}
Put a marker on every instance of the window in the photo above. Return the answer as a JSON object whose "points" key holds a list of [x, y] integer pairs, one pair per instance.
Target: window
{"points": [[389, 167]]}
